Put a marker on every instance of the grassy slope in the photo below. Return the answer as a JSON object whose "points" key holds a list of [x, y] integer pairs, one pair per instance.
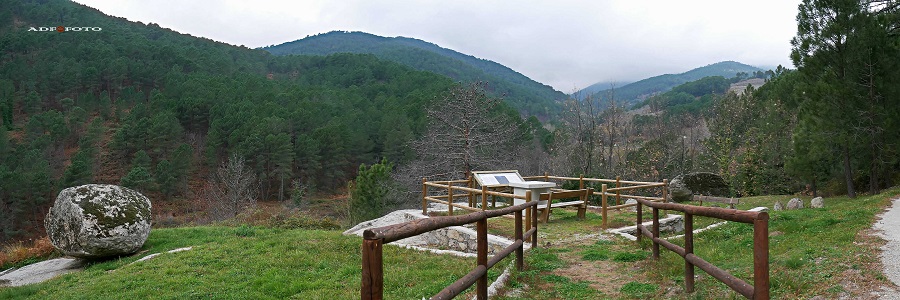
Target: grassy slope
{"points": [[251, 263], [827, 252]]}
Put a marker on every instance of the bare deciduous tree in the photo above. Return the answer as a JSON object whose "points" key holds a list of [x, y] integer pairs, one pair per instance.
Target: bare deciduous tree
{"points": [[463, 134], [232, 189]]}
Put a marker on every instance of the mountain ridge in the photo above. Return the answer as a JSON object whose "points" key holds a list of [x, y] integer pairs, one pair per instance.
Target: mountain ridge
{"points": [[523, 93], [641, 89]]}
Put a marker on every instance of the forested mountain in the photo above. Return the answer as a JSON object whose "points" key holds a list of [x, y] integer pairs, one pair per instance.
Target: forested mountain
{"points": [[597, 87], [636, 91], [521, 92], [156, 110]]}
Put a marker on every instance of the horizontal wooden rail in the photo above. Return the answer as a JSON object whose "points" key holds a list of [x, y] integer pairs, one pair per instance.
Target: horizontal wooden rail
{"points": [[450, 181], [461, 284], [401, 231], [760, 221], [636, 182], [713, 212], [654, 199], [474, 191], [448, 196], [564, 194], [634, 187], [560, 178], [372, 286], [465, 207], [599, 180]]}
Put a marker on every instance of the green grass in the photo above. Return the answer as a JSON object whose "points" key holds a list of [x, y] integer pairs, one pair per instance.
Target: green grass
{"points": [[540, 263], [638, 290], [251, 263], [809, 249], [630, 256]]}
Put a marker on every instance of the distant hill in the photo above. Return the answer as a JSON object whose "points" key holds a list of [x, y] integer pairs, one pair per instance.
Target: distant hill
{"points": [[521, 92], [597, 87], [634, 92]]}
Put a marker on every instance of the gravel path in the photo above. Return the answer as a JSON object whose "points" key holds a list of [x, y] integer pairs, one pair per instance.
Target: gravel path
{"points": [[889, 228]]}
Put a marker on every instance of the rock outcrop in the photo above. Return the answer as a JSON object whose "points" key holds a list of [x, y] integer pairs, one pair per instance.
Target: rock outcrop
{"points": [[41, 271], [96, 220], [683, 187], [795, 203], [817, 202]]}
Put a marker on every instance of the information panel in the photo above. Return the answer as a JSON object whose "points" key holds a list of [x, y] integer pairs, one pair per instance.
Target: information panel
{"points": [[497, 178]]}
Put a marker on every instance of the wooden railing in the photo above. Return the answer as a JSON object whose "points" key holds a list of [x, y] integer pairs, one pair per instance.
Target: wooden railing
{"points": [[760, 221], [372, 264], [616, 192], [470, 193]]}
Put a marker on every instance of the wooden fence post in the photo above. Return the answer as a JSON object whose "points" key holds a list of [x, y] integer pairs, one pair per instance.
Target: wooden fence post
{"points": [[450, 198], [688, 249], [471, 195], [655, 233], [481, 284], [603, 204], [424, 194], [483, 198], [640, 220], [520, 262], [372, 271], [527, 213], [761, 256], [581, 182], [665, 191], [534, 223], [618, 185]]}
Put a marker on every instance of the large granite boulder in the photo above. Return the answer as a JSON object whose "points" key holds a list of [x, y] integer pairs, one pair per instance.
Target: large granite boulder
{"points": [[98, 220], [684, 186]]}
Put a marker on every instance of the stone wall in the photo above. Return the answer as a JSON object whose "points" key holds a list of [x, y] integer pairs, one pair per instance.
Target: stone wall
{"points": [[463, 239]]}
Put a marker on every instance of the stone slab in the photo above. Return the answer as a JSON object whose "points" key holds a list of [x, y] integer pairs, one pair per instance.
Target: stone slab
{"points": [[41, 271]]}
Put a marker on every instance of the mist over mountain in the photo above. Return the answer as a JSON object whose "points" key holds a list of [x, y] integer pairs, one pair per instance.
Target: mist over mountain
{"points": [[639, 90]]}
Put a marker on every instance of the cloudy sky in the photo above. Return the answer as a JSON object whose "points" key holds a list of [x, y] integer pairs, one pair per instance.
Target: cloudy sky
{"points": [[566, 44]]}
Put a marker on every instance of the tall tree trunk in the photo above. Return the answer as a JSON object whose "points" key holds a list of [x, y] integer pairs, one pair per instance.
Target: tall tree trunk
{"points": [[815, 189], [848, 172]]}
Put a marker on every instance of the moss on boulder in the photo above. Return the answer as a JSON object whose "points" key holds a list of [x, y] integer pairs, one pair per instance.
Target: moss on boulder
{"points": [[98, 220]]}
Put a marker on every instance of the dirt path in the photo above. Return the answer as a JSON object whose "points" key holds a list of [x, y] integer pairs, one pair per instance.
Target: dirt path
{"points": [[889, 229]]}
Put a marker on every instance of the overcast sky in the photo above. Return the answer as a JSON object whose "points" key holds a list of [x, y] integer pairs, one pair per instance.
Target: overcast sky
{"points": [[566, 44]]}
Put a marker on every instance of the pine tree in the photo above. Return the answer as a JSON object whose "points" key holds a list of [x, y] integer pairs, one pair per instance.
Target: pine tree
{"points": [[166, 179], [369, 197], [79, 172], [141, 159], [138, 178]]}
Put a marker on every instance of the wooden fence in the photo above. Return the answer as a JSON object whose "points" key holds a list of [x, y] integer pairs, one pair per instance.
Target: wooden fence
{"points": [[372, 264], [760, 221], [616, 192], [468, 192]]}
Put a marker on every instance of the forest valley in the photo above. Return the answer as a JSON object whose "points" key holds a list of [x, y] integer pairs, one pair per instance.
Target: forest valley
{"points": [[207, 129]]}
